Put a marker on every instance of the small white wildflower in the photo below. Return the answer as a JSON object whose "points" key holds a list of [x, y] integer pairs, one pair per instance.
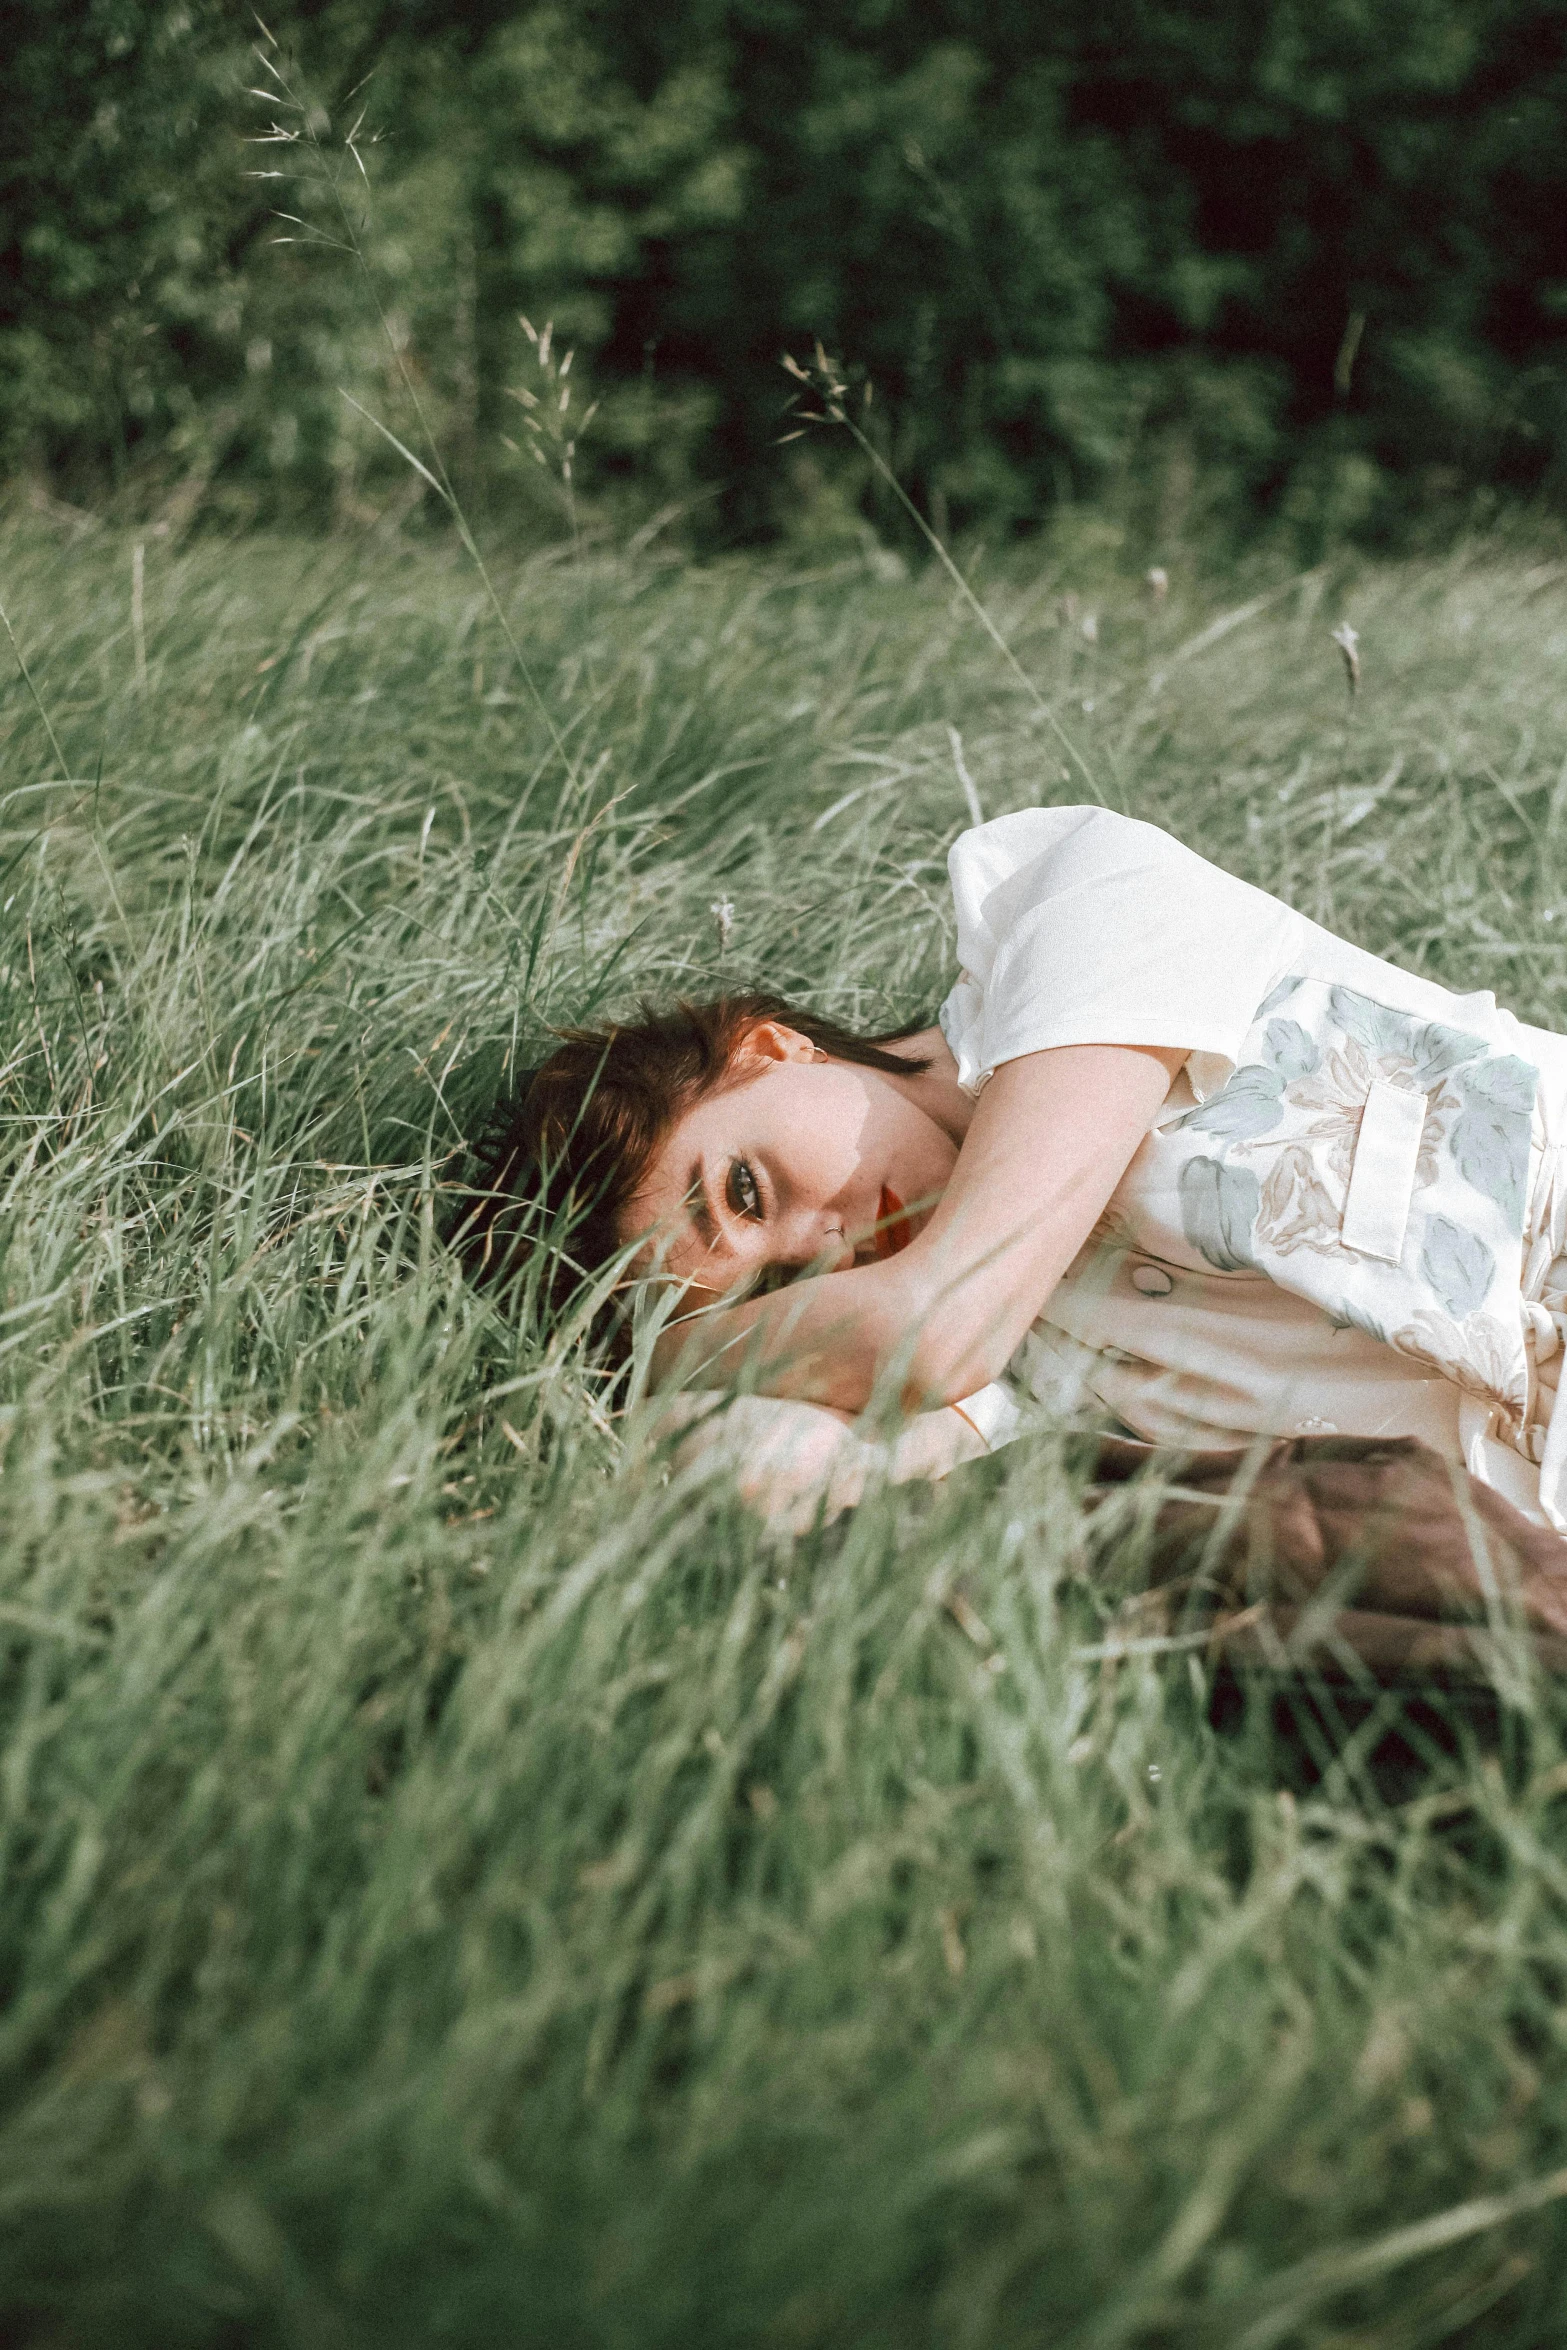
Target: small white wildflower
{"points": [[1158, 582], [1348, 642]]}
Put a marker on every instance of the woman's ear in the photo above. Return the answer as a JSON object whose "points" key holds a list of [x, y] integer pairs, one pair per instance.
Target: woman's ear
{"points": [[771, 1040]]}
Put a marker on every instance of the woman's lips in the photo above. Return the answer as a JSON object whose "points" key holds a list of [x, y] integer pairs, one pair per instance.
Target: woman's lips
{"points": [[892, 1224]]}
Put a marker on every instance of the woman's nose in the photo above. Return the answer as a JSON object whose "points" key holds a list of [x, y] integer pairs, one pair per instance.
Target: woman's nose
{"points": [[820, 1239]]}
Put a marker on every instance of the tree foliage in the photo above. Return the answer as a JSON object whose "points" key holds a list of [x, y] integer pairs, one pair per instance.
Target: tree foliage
{"points": [[1316, 255]]}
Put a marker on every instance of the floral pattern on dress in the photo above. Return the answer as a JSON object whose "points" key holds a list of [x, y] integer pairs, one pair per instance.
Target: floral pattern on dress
{"points": [[1480, 1357], [1269, 1192]]}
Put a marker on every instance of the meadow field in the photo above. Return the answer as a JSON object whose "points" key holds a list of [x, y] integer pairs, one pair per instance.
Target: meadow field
{"points": [[464, 1882]]}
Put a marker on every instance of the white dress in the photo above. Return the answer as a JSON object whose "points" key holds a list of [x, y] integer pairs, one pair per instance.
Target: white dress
{"points": [[1351, 1213]]}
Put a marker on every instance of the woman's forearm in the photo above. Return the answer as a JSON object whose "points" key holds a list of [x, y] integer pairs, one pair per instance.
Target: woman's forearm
{"points": [[824, 1340], [830, 1339]]}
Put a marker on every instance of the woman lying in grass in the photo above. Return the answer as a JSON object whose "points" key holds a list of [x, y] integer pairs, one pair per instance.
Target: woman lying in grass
{"points": [[1173, 1153]]}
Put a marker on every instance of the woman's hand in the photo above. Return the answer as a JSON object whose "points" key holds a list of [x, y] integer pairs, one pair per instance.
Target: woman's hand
{"points": [[791, 1461], [1050, 1138]]}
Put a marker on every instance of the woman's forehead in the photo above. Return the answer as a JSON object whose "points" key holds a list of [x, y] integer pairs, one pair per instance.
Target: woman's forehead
{"points": [[718, 1120], [673, 1191]]}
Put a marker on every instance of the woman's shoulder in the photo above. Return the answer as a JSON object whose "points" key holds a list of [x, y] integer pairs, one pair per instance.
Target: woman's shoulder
{"points": [[1064, 846], [1006, 843], [1094, 869]]}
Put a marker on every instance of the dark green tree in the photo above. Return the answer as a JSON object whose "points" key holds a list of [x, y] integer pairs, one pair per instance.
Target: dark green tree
{"points": [[1301, 257]]}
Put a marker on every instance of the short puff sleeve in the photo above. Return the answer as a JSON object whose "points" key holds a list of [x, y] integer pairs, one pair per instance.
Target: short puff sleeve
{"points": [[1079, 926]]}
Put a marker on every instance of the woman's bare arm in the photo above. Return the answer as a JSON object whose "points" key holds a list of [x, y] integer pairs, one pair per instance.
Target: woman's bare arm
{"points": [[1051, 1136]]}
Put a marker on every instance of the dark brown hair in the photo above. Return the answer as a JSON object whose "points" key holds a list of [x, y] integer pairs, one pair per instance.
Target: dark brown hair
{"points": [[568, 1143]]}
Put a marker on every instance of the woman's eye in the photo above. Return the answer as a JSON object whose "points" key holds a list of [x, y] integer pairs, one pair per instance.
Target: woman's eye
{"points": [[742, 1192]]}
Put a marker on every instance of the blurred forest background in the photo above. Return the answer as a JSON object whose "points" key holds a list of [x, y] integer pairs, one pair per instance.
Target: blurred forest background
{"points": [[1211, 262]]}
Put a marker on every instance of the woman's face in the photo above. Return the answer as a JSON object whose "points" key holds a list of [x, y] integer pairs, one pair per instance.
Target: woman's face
{"points": [[805, 1161]]}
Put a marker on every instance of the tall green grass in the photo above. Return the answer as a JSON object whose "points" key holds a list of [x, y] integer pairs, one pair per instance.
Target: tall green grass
{"points": [[464, 1883]]}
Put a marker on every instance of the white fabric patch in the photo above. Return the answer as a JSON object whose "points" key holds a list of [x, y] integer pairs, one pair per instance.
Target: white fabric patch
{"points": [[1382, 1179], [992, 1413]]}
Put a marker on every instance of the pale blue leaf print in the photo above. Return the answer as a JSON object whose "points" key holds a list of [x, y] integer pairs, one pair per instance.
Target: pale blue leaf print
{"points": [[1219, 1206], [1457, 1265], [1490, 1139], [1291, 1049], [1505, 1080], [1435, 1049], [1345, 1315], [1280, 994], [1399, 1035], [1247, 1106], [1376, 1026]]}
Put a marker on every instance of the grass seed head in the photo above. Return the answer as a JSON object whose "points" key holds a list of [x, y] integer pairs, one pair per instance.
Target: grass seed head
{"points": [[1348, 642]]}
